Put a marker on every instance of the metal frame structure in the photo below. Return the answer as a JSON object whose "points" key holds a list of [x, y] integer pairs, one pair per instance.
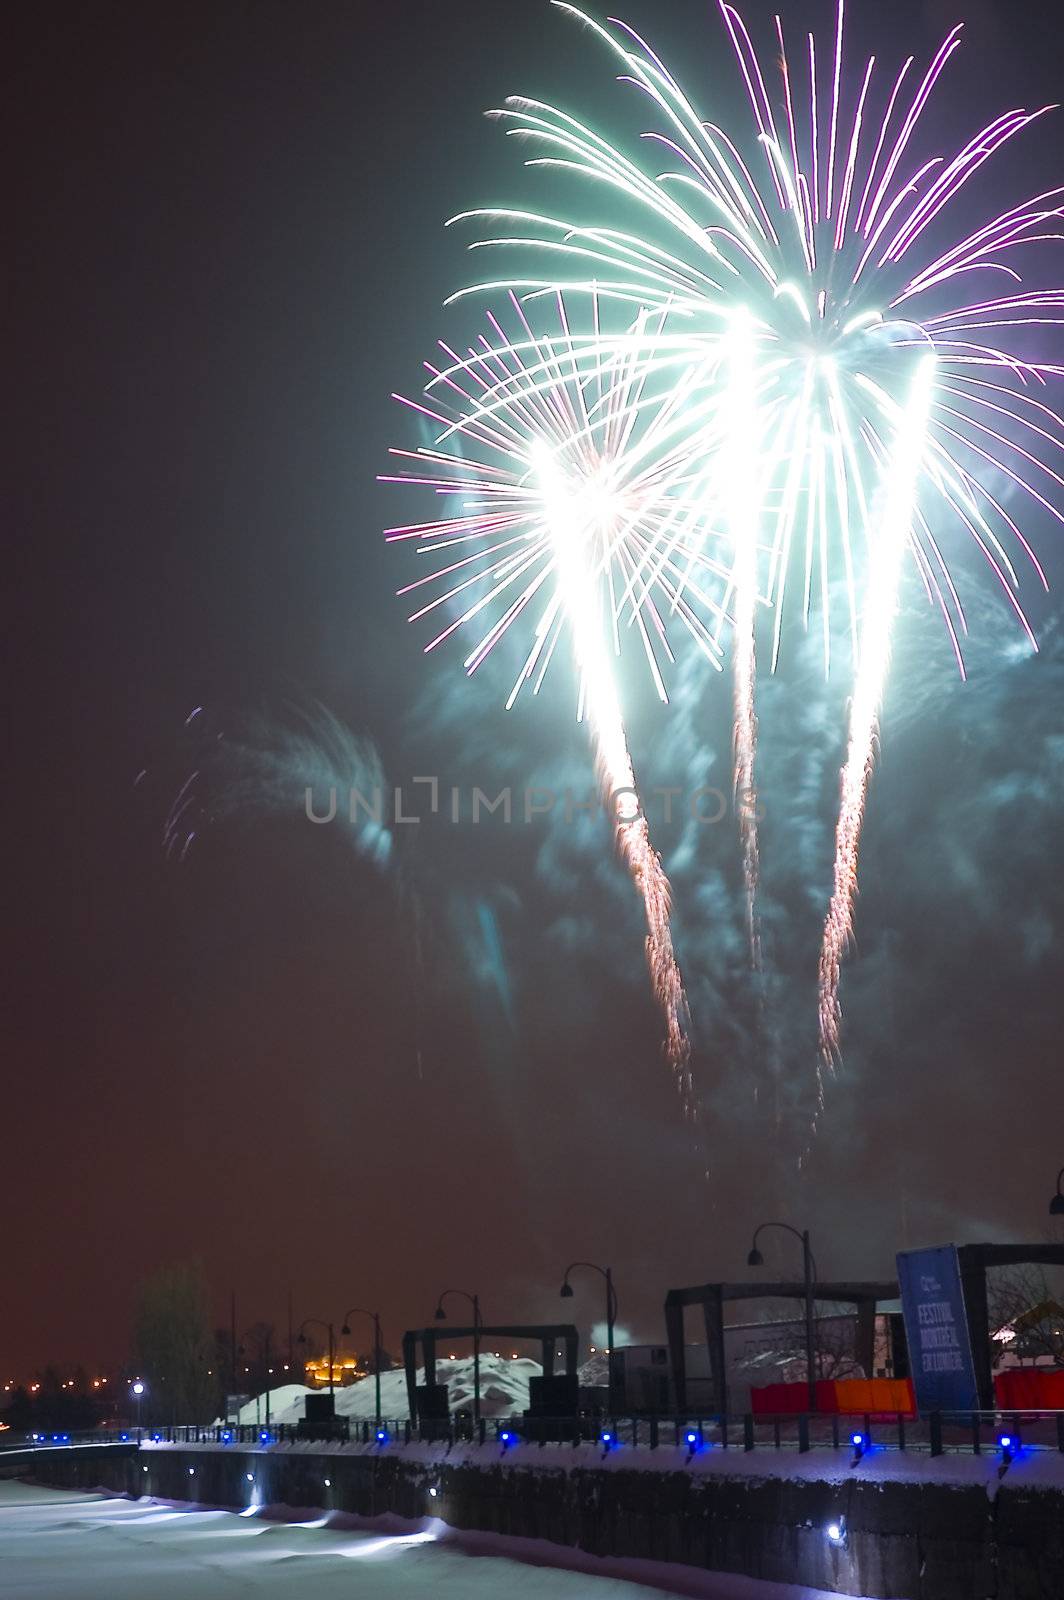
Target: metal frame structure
{"points": [[713, 1297], [975, 1260], [549, 1335]]}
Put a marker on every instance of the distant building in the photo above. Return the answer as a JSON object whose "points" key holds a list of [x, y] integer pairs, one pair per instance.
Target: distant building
{"points": [[346, 1370]]}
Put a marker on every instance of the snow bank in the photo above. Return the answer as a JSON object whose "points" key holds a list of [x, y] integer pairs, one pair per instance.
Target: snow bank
{"points": [[503, 1391]]}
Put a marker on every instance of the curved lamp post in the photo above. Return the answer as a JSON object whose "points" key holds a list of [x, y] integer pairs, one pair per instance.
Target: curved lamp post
{"points": [[566, 1293], [374, 1316], [441, 1316], [1056, 1205], [302, 1339], [756, 1259]]}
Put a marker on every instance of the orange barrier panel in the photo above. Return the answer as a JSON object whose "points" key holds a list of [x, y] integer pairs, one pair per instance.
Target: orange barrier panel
{"points": [[875, 1397]]}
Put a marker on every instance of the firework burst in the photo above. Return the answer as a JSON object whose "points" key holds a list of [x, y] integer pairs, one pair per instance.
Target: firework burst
{"points": [[823, 226]]}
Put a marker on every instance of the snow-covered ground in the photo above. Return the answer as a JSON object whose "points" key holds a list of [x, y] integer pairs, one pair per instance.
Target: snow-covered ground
{"points": [[503, 1392], [58, 1545]]}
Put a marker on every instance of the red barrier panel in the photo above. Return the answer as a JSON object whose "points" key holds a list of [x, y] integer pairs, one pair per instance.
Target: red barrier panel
{"points": [[1029, 1389], [779, 1399]]}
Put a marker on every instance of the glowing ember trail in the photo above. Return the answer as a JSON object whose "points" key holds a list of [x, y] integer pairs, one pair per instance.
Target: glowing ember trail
{"points": [[580, 514], [886, 561], [743, 474]]}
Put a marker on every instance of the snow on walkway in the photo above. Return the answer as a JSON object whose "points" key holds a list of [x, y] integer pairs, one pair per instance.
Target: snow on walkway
{"points": [[59, 1545]]}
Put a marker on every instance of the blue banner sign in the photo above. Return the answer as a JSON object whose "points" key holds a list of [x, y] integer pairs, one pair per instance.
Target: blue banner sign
{"points": [[936, 1327]]}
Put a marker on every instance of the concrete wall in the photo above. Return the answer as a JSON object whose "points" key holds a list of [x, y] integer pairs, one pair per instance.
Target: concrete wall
{"points": [[905, 1540]]}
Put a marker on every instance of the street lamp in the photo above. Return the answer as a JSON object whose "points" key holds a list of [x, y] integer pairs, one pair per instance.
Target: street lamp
{"points": [[302, 1339], [137, 1389], [1056, 1205], [374, 1316], [265, 1353], [611, 1312], [441, 1316], [756, 1259]]}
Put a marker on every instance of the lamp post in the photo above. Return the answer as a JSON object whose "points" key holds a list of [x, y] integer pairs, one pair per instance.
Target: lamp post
{"points": [[756, 1259], [374, 1316], [1056, 1205], [302, 1339], [137, 1389], [441, 1316], [265, 1351], [611, 1312]]}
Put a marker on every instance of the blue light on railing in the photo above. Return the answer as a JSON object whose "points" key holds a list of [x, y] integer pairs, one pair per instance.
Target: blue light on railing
{"points": [[506, 1438], [382, 1436], [607, 1439]]}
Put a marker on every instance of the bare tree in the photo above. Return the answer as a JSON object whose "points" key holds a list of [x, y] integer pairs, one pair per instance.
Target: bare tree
{"points": [[173, 1347], [1027, 1314]]}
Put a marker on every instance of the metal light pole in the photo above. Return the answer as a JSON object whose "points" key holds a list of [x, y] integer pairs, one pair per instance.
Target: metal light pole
{"points": [[756, 1259], [232, 1354], [611, 1312], [302, 1339], [374, 1316], [1056, 1205], [267, 1336], [441, 1316], [138, 1395]]}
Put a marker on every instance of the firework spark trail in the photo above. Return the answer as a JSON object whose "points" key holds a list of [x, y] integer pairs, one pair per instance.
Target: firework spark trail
{"points": [[571, 492], [742, 474], [572, 512], [887, 558]]}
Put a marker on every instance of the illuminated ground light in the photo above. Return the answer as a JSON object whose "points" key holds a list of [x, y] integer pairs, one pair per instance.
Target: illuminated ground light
{"points": [[859, 1442], [382, 1436], [693, 1439], [836, 1532]]}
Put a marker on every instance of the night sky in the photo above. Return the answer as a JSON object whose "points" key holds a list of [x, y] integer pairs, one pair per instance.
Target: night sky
{"points": [[362, 1080]]}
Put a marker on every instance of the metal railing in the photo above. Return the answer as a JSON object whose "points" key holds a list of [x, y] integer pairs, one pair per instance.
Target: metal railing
{"points": [[937, 1434]]}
